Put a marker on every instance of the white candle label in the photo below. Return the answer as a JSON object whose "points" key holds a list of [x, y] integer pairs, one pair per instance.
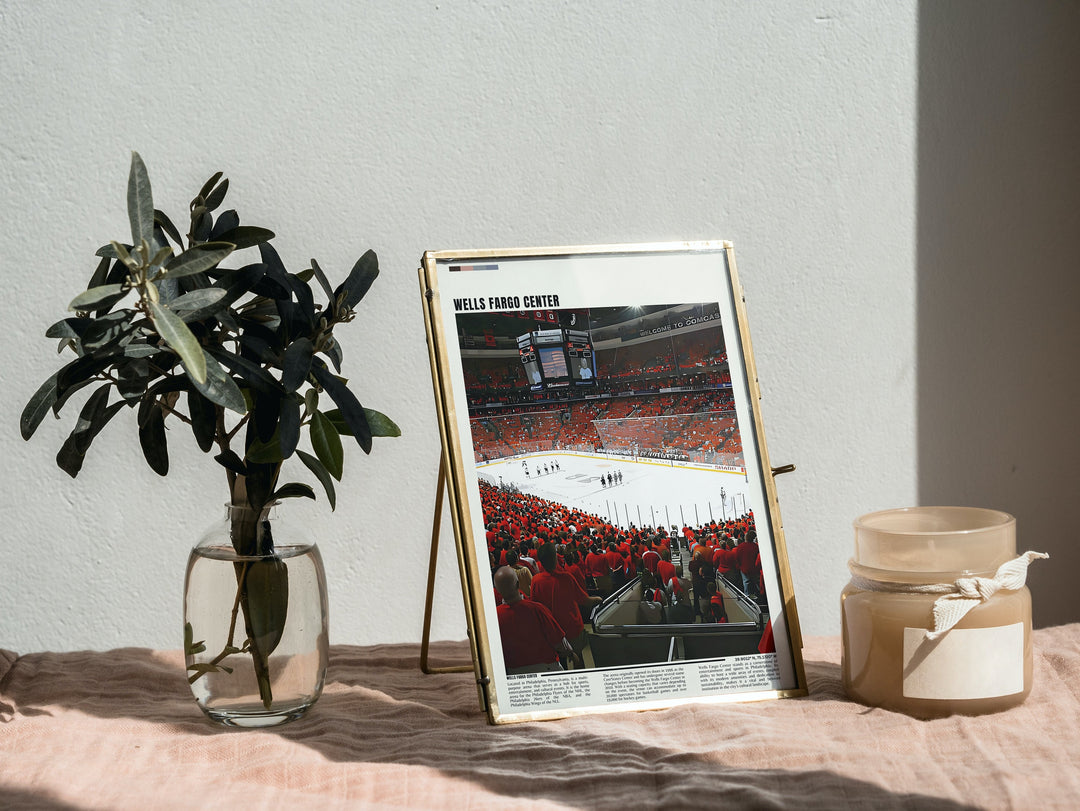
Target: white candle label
{"points": [[965, 663]]}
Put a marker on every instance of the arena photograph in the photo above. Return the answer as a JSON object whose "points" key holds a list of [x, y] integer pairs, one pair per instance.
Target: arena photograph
{"points": [[614, 489]]}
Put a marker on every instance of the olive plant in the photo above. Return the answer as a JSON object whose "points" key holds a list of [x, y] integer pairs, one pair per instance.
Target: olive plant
{"points": [[242, 355]]}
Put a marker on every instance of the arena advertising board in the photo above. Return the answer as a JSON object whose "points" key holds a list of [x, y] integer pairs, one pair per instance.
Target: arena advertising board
{"points": [[615, 513]]}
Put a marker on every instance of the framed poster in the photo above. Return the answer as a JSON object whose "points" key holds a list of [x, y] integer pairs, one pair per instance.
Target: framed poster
{"points": [[615, 514]]}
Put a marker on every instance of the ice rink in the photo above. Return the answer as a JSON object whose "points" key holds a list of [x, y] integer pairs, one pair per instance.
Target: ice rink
{"points": [[652, 493]]}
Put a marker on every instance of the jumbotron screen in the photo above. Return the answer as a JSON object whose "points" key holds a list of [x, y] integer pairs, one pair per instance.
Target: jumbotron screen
{"points": [[557, 358]]}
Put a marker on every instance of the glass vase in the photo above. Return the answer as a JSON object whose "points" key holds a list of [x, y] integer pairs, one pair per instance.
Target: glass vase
{"points": [[255, 620]]}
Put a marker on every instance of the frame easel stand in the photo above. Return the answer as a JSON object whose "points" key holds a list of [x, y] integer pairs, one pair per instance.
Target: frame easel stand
{"points": [[425, 640]]}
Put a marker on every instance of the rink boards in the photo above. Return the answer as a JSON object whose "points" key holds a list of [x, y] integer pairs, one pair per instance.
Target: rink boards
{"points": [[653, 492]]}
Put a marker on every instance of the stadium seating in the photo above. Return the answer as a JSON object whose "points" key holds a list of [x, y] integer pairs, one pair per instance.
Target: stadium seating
{"points": [[714, 646], [707, 434], [611, 650]]}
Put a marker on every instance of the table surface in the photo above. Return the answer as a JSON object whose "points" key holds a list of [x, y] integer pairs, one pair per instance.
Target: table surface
{"points": [[119, 729]]}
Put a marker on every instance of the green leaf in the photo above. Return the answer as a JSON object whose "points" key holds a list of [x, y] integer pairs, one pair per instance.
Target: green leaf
{"points": [[152, 439], [253, 373], [311, 402], [207, 187], [360, 279], [197, 300], [226, 221], [140, 202], [296, 363], [80, 372], [322, 474], [267, 590], [38, 407], [260, 483], [166, 225], [112, 330], [214, 198], [203, 416], [236, 283], [323, 281], [338, 422], [100, 273], [265, 410], [141, 350], [123, 255], [196, 259], [332, 350], [303, 311], [161, 257], [265, 453], [191, 647], [380, 424], [327, 444], [289, 425], [94, 415], [98, 297], [265, 600], [133, 377], [164, 386], [68, 328], [245, 236], [67, 389], [350, 407], [220, 388], [177, 335], [202, 226], [230, 461], [293, 490]]}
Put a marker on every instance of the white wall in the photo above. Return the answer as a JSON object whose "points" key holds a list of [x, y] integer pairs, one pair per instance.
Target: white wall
{"points": [[405, 126]]}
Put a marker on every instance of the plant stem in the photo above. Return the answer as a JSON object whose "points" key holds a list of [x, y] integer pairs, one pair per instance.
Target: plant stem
{"points": [[256, 605], [230, 646], [236, 428], [176, 414]]}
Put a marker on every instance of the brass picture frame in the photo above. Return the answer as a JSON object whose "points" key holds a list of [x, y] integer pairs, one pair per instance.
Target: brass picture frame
{"points": [[605, 398]]}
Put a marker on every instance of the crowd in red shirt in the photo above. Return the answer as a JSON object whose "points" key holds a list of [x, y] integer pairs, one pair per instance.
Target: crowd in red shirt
{"points": [[591, 557]]}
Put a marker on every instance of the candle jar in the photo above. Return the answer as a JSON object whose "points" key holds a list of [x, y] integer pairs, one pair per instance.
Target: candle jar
{"points": [[906, 561]]}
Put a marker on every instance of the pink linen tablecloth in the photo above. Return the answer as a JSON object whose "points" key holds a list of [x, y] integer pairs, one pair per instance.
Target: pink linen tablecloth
{"points": [[118, 729]]}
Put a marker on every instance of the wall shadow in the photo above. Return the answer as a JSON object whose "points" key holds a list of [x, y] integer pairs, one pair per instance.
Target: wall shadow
{"points": [[998, 273]]}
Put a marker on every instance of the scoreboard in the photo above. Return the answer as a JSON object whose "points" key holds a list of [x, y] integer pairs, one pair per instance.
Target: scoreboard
{"points": [[557, 358], [579, 351]]}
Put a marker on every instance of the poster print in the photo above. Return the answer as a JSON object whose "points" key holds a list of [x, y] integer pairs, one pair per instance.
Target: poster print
{"points": [[617, 527]]}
